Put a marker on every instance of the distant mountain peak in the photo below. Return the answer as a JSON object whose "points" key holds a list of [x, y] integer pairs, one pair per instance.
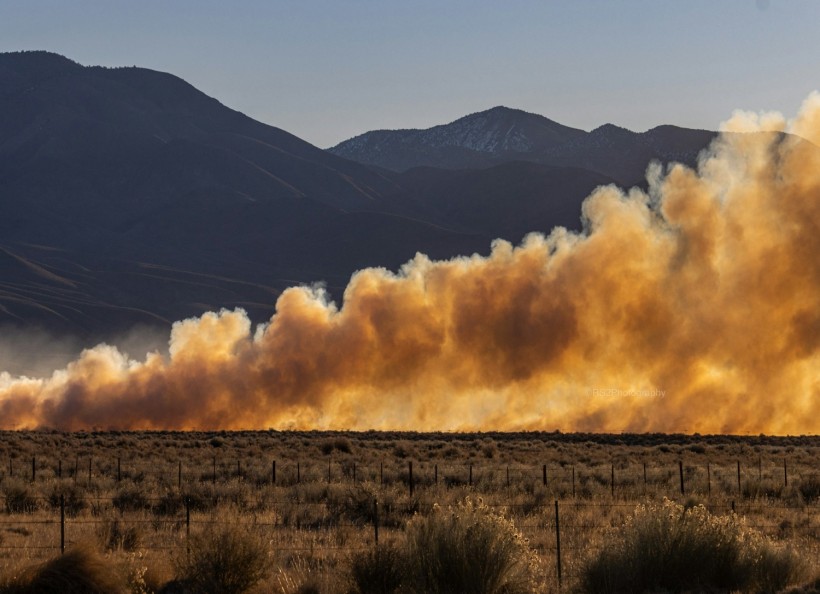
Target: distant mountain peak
{"points": [[486, 136], [610, 129], [19, 70], [35, 57]]}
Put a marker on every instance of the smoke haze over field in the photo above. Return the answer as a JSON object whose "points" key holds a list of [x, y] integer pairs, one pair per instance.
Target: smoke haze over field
{"points": [[693, 307]]}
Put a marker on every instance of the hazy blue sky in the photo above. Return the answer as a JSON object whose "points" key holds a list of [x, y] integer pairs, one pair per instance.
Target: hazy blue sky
{"points": [[326, 70]]}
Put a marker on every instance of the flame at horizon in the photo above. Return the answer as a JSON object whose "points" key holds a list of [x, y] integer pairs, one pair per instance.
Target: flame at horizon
{"points": [[693, 307]]}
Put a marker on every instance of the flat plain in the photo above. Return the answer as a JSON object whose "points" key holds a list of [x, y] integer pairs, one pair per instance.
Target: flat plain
{"points": [[319, 498]]}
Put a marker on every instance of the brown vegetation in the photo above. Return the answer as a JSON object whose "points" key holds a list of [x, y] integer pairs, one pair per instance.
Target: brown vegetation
{"points": [[150, 497]]}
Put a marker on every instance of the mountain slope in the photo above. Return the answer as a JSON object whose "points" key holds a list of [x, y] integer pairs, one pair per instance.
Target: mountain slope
{"points": [[507, 200], [134, 187]]}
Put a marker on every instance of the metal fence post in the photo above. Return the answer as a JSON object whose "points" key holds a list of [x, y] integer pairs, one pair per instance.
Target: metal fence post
{"points": [[410, 484], [644, 479], [558, 544], [376, 521], [708, 480], [738, 477], [62, 524], [612, 482], [188, 526]]}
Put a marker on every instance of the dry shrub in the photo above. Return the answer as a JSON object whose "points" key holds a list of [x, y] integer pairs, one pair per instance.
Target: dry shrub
{"points": [[666, 547], [130, 498], [79, 571], [146, 577], [377, 571], [812, 587], [73, 498], [169, 503], [115, 535], [223, 561], [809, 487], [469, 549], [19, 497]]}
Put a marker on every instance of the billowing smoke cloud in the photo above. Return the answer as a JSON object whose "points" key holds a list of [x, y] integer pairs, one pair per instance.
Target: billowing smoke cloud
{"points": [[692, 307]]}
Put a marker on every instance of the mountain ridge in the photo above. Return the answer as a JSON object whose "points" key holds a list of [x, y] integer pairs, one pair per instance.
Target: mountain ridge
{"points": [[528, 137]]}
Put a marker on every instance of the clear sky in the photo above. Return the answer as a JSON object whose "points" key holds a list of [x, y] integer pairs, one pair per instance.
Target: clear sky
{"points": [[326, 70]]}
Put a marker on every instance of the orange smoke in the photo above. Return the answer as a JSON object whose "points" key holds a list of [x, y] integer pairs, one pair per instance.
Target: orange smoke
{"points": [[694, 307]]}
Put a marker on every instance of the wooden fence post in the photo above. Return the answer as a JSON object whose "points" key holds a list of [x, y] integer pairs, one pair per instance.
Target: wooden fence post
{"points": [[435, 474], [544, 474], [273, 473], [680, 470], [298, 472], [470, 482], [785, 474]]}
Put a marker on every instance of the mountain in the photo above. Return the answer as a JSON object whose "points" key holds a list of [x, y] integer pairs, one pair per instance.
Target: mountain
{"points": [[130, 196], [502, 135], [477, 140]]}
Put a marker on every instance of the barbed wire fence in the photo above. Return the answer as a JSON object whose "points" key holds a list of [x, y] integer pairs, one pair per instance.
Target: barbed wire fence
{"points": [[561, 522]]}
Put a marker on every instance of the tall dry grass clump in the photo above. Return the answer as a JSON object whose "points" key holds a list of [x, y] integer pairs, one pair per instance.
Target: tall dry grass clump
{"points": [[467, 548], [223, 561], [79, 571], [666, 547]]}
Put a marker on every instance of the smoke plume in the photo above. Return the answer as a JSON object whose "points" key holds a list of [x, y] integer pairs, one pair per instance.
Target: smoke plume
{"points": [[693, 307]]}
